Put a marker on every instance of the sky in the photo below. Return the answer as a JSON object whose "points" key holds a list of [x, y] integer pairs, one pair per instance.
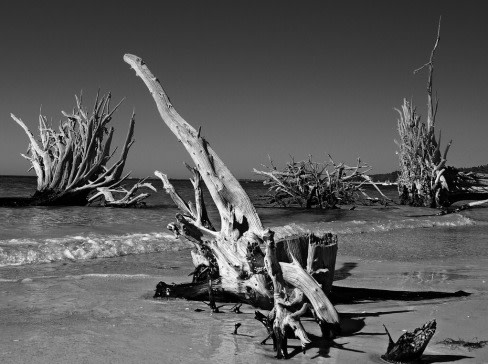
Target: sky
{"points": [[261, 78]]}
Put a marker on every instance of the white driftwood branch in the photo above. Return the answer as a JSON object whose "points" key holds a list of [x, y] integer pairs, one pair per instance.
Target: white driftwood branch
{"points": [[71, 163], [232, 259], [222, 185]]}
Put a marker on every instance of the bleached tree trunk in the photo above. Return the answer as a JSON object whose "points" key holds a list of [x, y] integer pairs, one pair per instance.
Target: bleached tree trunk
{"points": [[231, 258], [424, 179]]}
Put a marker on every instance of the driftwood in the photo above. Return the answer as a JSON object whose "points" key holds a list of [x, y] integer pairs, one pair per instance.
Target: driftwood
{"points": [[324, 185], [71, 162], [411, 345], [231, 258], [128, 199], [424, 178], [284, 317]]}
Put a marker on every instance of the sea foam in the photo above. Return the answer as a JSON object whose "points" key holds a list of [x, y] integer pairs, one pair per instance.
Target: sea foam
{"points": [[90, 246], [25, 251], [362, 226]]}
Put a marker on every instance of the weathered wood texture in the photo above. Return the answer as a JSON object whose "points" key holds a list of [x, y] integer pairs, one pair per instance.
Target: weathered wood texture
{"points": [[285, 316], [72, 162], [128, 197], [232, 258], [411, 345], [317, 255], [424, 178], [222, 185], [324, 185]]}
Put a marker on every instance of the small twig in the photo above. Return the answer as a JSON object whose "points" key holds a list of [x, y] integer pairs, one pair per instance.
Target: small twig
{"points": [[236, 326], [236, 308]]}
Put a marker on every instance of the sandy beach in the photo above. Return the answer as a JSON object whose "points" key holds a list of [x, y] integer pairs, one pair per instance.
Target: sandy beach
{"points": [[102, 310], [292, 119]]}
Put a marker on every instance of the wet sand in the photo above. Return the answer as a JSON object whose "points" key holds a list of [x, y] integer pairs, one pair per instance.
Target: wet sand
{"points": [[101, 310]]}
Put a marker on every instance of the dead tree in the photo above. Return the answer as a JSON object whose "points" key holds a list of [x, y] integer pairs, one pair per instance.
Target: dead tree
{"points": [[424, 178], [324, 185], [71, 162], [232, 258]]}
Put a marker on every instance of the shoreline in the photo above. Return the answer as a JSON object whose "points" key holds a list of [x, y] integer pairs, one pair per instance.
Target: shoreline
{"points": [[101, 310]]}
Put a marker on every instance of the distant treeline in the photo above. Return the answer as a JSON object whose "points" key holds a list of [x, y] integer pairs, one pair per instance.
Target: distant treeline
{"points": [[383, 177], [393, 176]]}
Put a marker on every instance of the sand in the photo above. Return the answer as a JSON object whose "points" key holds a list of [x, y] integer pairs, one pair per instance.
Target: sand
{"points": [[101, 311]]}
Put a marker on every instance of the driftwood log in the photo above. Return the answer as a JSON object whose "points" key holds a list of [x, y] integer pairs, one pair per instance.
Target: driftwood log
{"points": [[321, 185], [230, 264], [71, 162], [128, 199], [425, 179]]}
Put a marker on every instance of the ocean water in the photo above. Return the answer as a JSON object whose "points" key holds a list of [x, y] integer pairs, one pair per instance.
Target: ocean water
{"points": [[35, 235]]}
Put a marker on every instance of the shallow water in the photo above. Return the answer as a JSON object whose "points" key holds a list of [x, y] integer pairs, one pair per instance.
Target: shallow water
{"points": [[75, 282], [46, 234]]}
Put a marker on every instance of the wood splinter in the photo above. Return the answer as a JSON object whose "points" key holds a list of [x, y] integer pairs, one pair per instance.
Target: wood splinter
{"points": [[236, 308]]}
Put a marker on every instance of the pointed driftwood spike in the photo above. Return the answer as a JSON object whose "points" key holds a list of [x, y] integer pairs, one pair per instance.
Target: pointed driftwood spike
{"points": [[390, 340], [208, 161], [235, 264]]}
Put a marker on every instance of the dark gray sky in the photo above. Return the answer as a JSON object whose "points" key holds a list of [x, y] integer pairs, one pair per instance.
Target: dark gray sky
{"points": [[260, 77]]}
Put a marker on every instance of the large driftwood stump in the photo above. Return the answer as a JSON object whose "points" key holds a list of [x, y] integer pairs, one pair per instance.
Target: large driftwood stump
{"points": [[71, 163], [232, 258], [424, 178]]}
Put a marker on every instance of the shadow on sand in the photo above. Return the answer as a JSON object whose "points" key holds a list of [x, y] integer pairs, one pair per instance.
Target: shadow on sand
{"points": [[344, 271], [440, 358], [350, 295]]}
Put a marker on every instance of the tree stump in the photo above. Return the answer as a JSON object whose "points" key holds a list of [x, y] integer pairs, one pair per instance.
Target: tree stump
{"points": [[424, 178], [315, 254], [71, 163], [232, 258]]}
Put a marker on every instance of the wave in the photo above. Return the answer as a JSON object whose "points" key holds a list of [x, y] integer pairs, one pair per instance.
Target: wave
{"points": [[362, 226], [80, 247], [25, 251]]}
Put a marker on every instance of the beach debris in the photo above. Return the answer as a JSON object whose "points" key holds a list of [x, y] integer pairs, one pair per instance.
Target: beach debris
{"points": [[286, 318], [238, 270], [267, 321], [211, 299], [106, 194], [236, 308], [236, 326], [213, 306], [470, 345], [164, 290], [71, 163], [460, 208], [424, 178], [410, 345], [321, 185]]}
